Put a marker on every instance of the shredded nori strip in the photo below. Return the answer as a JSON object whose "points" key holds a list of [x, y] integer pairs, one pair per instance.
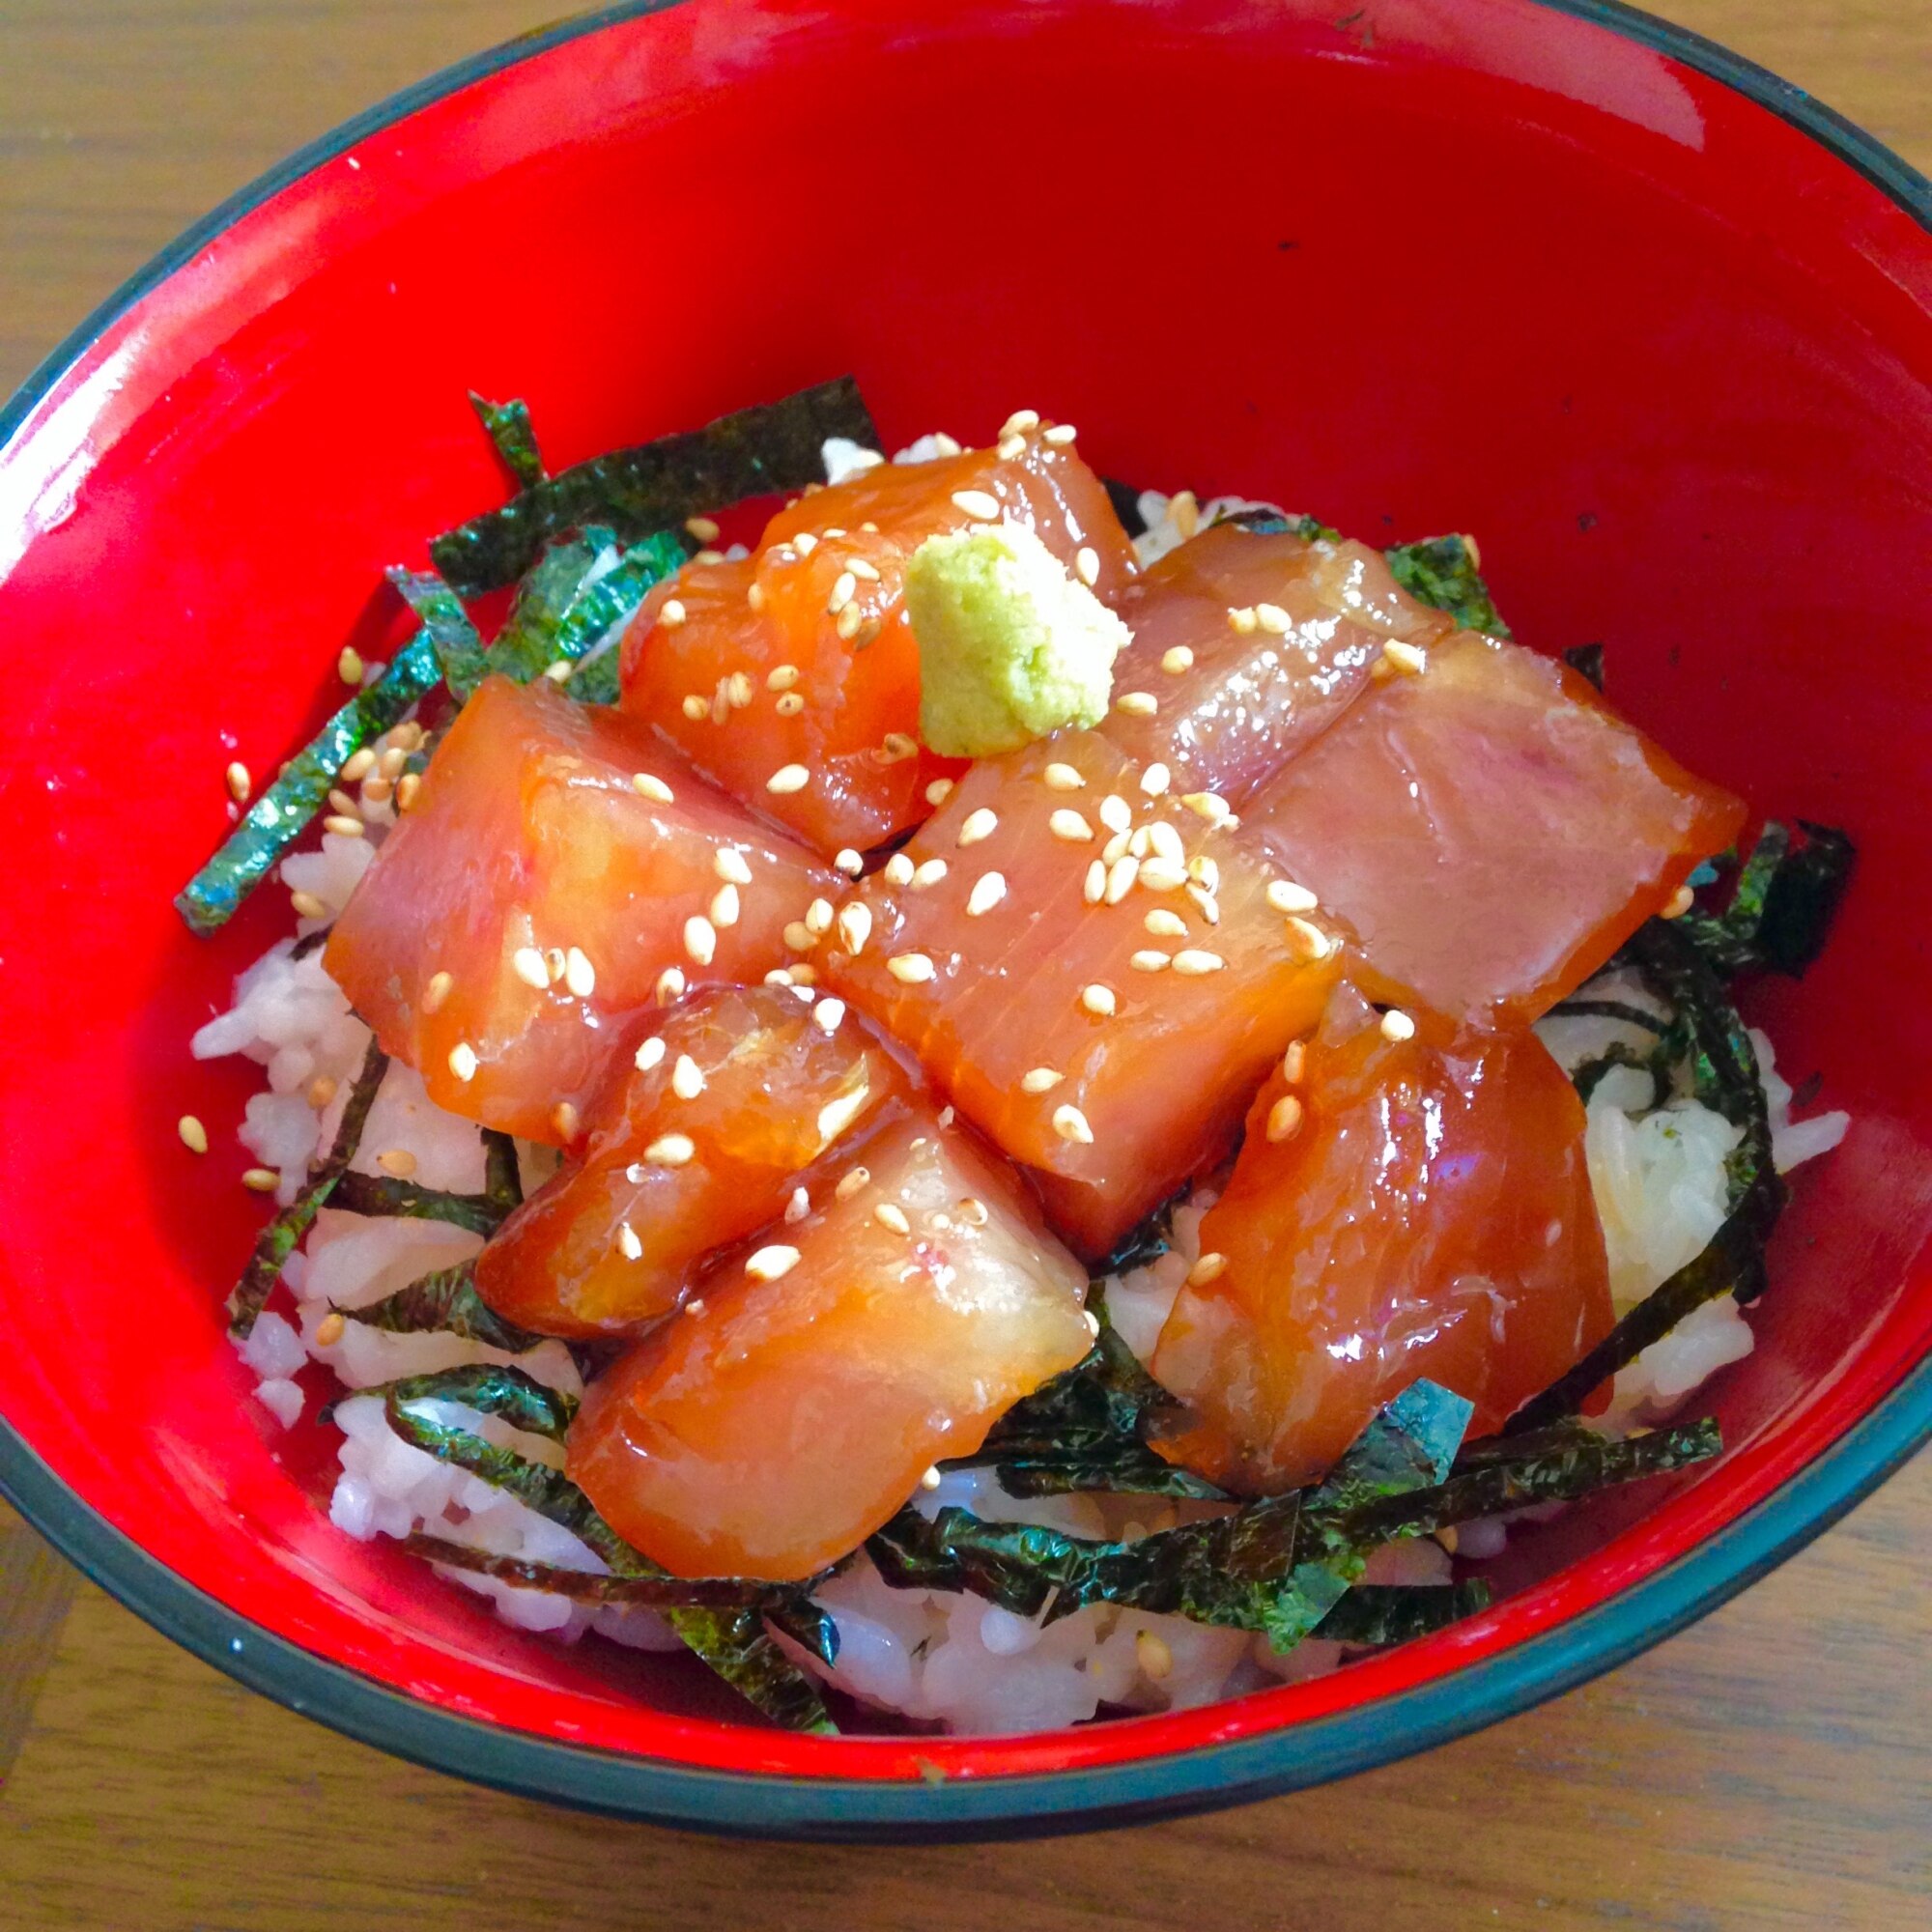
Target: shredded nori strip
{"points": [[1126, 502], [279, 816], [508, 427], [1588, 662], [655, 485], [1260, 1568], [1783, 900], [503, 1178], [378, 1194], [1385, 1615], [734, 1643], [1442, 571], [1724, 1077], [1273, 523], [459, 648], [278, 1240], [589, 1586], [447, 1301]]}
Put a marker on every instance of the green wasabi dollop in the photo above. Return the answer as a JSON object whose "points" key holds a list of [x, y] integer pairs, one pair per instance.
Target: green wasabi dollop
{"points": [[1010, 647]]}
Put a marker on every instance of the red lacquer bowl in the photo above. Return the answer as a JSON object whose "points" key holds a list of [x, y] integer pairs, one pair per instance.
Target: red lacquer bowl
{"points": [[1655, 326]]}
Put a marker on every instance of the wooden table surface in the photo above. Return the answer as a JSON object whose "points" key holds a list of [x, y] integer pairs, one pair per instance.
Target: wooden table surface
{"points": [[1772, 1767]]}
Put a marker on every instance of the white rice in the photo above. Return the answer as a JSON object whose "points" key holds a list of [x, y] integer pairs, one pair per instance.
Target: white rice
{"points": [[952, 1658]]}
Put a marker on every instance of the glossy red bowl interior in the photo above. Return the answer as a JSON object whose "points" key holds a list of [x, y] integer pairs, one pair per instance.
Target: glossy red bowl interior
{"points": [[1658, 332]]}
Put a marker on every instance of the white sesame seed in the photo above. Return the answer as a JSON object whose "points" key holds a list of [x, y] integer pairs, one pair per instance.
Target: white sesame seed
{"points": [[696, 1305], [1122, 876], [193, 1135], [669, 986], [897, 870], [398, 1162], [1165, 924], [805, 543], [527, 963], [1205, 902], [1087, 565], [1070, 825], [725, 906], [437, 991], [1209, 1267], [1306, 942], [1176, 659], [1137, 703], [789, 705], [1397, 1026], [797, 1207], [1098, 1000], [798, 936], [1208, 805], [910, 969], [988, 890], [1094, 890], [650, 1052], [702, 528], [561, 672], [1116, 813], [1154, 780], [855, 927], [1141, 843], [754, 594], [1274, 619], [360, 764], [1153, 1654], [939, 791], [1070, 1124], [851, 1181], [729, 864], [628, 1243], [1183, 512], [670, 614], [1040, 1080], [306, 905], [772, 1262], [1150, 961], [1284, 1118], [929, 1477], [897, 749], [827, 1014], [687, 1078], [1060, 434], [1019, 422], [261, 1180], [849, 861], [1242, 619], [844, 590], [788, 779], [779, 976], [1011, 446], [860, 568], [349, 666], [928, 875], [343, 826], [647, 784], [890, 1215], [671, 1151], [578, 975], [1205, 872], [321, 1091], [1680, 902], [978, 825], [782, 677], [1162, 875], [1294, 1062], [241, 784], [376, 791], [341, 802], [978, 504], [819, 917], [1405, 658], [738, 690], [463, 1061], [1063, 777], [1165, 842], [1193, 963], [696, 708]]}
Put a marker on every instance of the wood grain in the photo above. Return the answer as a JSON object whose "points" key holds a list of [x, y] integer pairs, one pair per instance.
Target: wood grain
{"points": [[1769, 1767]]}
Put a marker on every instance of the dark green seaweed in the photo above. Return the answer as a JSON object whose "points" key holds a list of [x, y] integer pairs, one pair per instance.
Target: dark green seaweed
{"points": [[1442, 571], [1784, 900], [516, 1398], [283, 812], [1385, 1615], [278, 1240], [447, 1301], [459, 647], [655, 485], [1410, 1443], [376, 1194], [1588, 662], [508, 427], [503, 1178], [1711, 1040], [733, 1642], [589, 1586], [1273, 523]]}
